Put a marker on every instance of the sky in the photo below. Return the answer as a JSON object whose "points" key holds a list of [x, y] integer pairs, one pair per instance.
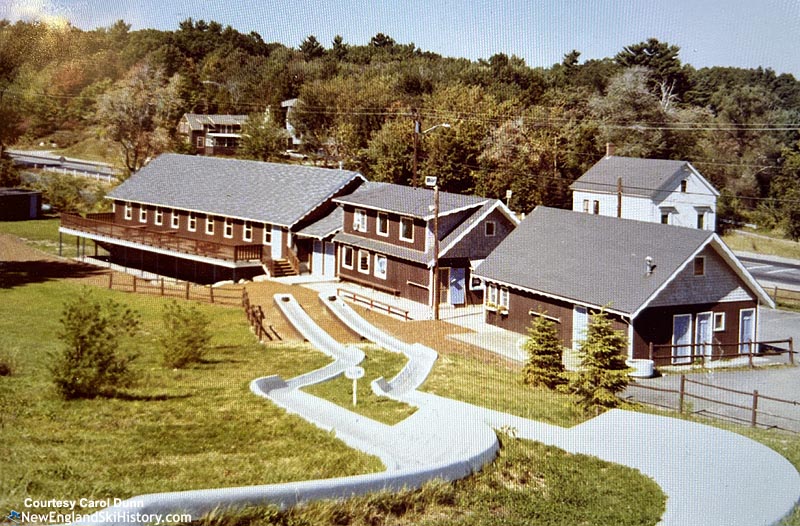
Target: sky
{"points": [[740, 33]]}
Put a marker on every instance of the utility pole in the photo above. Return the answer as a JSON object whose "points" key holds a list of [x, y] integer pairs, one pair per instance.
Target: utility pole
{"points": [[416, 148], [619, 196], [436, 283]]}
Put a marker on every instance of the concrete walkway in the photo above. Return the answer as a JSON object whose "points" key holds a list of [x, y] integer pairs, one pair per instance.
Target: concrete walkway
{"points": [[711, 477]]}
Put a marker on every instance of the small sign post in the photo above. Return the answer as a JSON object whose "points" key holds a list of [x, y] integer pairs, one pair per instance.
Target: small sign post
{"points": [[354, 373]]}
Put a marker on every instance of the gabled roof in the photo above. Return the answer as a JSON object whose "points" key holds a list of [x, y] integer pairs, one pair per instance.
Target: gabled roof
{"points": [[410, 201], [197, 120], [642, 177], [281, 194], [599, 261], [332, 222]]}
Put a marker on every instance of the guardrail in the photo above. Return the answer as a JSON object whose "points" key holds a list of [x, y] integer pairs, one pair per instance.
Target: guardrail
{"points": [[101, 225], [373, 304]]}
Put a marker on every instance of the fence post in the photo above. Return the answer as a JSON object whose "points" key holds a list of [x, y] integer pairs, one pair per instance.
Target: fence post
{"points": [[650, 350], [681, 393], [211, 294], [754, 414], [750, 354], [187, 290], [162, 286], [791, 350], [134, 284], [111, 285]]}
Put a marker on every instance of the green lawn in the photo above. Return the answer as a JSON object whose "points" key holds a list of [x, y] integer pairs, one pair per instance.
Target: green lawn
{"points": [[41, 234], [376, 364], [174, 430], [763, 244]]}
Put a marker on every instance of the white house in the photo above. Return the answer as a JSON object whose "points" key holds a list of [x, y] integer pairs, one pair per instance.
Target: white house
{"points": [[652, 190]]}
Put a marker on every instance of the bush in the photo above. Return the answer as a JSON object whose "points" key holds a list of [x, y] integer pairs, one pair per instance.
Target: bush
{"points": [[544, 365], [185, 336], [95, 335]]}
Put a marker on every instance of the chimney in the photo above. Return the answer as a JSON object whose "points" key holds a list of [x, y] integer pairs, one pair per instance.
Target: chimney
{"points": [[610, 149], [650, 265]]}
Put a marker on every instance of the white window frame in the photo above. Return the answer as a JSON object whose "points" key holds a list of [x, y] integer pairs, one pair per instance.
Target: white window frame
{"points": [[701, 220], [266, 237], [227, 229], [348, 250], [504, 298], [382, 216], [361, 258], [128, 211], [209, 225], [378, 273], [718, 322], [175, 220], [403, 238], [192, 222], [142, 214], [493, 229], [159, 216], [491, 294], [596, 207], [360, 220], [586, 206], [247, 231], [201, 141], [702, 261]]}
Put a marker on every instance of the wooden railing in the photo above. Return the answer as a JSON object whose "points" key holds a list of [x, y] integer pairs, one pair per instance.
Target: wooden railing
{"points": [[701, 352], [373, 304], [171, 288], [292, 258], [785, 297], [103, 224]]}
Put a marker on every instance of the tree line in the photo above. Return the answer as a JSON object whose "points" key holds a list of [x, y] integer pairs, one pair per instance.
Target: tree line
{"points": [[512, 127]]}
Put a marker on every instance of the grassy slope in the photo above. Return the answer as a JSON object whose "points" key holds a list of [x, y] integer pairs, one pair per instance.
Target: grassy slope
{"points": [[41, 234], [189, 429], [763, 244]]}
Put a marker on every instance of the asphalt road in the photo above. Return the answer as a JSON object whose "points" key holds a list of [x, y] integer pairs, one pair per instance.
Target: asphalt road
{"points": [[784, 274]]}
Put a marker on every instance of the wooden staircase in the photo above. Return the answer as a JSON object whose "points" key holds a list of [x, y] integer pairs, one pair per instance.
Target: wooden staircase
{"points": [[279, 268]]}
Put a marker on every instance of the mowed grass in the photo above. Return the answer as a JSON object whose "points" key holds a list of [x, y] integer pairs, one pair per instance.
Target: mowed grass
{"points": [[763, 244], [174, 430], [376, 364], [43, 235], [528, 484]]}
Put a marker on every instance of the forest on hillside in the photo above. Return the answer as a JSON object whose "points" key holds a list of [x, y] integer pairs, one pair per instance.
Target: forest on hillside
{"points": [[512, 127]]}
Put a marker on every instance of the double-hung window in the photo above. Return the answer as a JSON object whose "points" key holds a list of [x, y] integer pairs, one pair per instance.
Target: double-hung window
{"points": [[228, 231], [192, 223], [363, 261], [174, 220], [383, 224], [159, 217], [347, 257], [247, 231], [406, 229], [360, 220], [142, 214], [128, 211], [210, 225]]}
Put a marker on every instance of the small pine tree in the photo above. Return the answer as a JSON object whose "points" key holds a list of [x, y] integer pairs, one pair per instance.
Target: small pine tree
{"points": [[185, 336], [93, 361], [604, 373], [544, 366]]}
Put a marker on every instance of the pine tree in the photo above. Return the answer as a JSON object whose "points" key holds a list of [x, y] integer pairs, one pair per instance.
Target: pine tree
{"points": [[603, 373], [544, 350]]}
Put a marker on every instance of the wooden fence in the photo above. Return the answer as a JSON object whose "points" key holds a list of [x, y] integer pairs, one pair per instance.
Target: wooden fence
{"points": [[751, 407], [701, 353], [255, 316], [373, 304], [229, 295], [785, 297]]}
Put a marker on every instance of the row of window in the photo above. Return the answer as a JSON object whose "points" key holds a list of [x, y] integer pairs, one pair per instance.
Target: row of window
{"points": [[210, 223], [406, 225], [497, 296], [363, 260], [667, 218]]}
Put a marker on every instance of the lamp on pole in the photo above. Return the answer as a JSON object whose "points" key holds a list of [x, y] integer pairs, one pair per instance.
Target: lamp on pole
{"points": [[417, 134]]}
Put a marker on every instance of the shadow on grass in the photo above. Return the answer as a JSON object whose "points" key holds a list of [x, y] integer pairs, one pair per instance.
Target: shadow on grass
{"points": [[133, 397], [19, 273]]}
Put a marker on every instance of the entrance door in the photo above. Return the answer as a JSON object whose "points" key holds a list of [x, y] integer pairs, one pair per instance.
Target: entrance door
{"points": [[317, 262], [681, 338], [329, 260], [458, 295], [703, 334], [747, 329], [444, 285], [580, 322]]}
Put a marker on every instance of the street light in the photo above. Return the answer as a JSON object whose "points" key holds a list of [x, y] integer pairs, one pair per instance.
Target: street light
{"points": [[417, 134]]}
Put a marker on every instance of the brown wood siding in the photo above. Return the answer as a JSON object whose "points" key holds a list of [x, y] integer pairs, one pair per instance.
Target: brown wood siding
{"points": [[476, 245], [399, 276], [394, 229], [655, 324]]}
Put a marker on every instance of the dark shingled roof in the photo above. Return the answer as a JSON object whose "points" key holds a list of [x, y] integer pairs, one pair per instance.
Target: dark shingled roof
{"points": [[409, 201], [281, 194], [645, 177], [591, 259]]}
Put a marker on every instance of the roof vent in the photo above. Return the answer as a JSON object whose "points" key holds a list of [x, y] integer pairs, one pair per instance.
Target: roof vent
{"points": [[650, 265]]}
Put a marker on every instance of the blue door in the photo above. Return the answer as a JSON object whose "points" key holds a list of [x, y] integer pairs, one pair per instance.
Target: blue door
{"points": [[457, 286]]}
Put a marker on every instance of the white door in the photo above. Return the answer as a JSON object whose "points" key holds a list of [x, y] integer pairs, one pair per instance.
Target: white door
{"points": [[317, 263], [329, 260], [580, 322], [277, 242], [703, 333], [747, 329], [681, 338]]}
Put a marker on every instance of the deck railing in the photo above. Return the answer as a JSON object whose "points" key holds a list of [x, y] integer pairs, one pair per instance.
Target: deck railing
{"points": [[104, 225], [690, 353]]}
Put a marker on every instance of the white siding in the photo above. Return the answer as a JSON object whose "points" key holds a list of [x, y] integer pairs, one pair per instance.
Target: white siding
{"points": [[718, 284]]}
